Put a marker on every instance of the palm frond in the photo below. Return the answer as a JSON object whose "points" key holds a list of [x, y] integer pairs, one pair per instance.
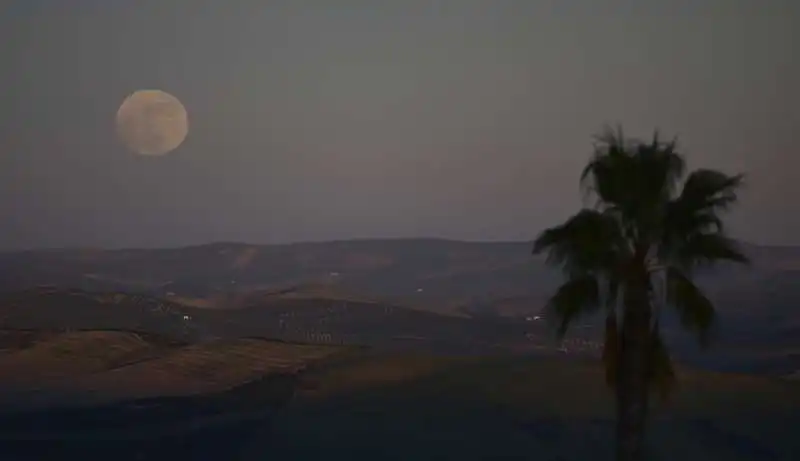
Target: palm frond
{"points": [[693, 233], [705, 249], [574, 298], [660, 167], [710, 189], [611, 173], [635, 178], [695, 310], [705, 194], [683, 219], [588, 242]]}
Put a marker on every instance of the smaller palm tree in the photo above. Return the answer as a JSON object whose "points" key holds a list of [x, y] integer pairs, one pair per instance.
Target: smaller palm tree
{"points": [[634, 251]]}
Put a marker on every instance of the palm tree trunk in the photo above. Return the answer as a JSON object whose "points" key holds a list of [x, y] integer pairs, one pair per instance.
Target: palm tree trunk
{"points": [[632, 390]]}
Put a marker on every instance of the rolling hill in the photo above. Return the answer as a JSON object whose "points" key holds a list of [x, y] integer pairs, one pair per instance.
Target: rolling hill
{"points": [[415, 271], [745, 347], [438, 275], [58, 309], [293, 318], [300, 291], [99, 365]]}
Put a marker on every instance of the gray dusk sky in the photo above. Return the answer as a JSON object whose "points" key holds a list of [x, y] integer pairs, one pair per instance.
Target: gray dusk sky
{"points": [[342, 119]]}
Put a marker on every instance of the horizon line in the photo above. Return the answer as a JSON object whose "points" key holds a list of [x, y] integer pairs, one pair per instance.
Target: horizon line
{"points": [[314, 242]]}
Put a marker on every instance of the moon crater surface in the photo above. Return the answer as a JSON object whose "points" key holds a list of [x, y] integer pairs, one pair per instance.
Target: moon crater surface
{"points": [[152, 122]]}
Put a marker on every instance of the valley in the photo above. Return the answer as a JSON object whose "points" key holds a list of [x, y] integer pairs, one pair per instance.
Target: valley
{"points": [[364, 349]]}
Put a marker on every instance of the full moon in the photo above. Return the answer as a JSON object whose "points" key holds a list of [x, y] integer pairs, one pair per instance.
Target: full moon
{"points": [[152, 122]]}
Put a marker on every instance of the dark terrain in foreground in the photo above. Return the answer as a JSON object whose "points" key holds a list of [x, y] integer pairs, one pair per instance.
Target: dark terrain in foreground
{"points": [[199, 427], [259, 399]]}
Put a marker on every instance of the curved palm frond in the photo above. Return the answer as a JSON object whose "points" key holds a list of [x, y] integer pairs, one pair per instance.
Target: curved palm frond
{"points": [[574, 298], [695, 310], [705, 195], [711, 190], [682, 220], [704, 249], [588, 242]]}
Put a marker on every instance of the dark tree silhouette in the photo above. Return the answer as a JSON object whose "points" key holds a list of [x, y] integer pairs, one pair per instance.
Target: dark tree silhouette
{"points": [[633, 251]]}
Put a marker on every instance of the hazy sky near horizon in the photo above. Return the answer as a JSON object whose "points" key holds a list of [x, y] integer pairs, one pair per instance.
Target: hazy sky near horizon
{"points": [[318, 120]]}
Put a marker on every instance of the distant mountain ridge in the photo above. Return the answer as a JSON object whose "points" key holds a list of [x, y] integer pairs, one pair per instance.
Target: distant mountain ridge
{"points": [[435, 274]]}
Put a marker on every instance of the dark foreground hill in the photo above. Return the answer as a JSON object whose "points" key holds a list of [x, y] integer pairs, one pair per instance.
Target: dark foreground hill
{"points": [[417, 407], [198, 427], [97, 365], [362, 405], [125, 395], [70, 309]]}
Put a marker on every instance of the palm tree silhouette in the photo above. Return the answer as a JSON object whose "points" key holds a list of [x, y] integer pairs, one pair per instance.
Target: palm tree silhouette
{"points": [[631, 252]]}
